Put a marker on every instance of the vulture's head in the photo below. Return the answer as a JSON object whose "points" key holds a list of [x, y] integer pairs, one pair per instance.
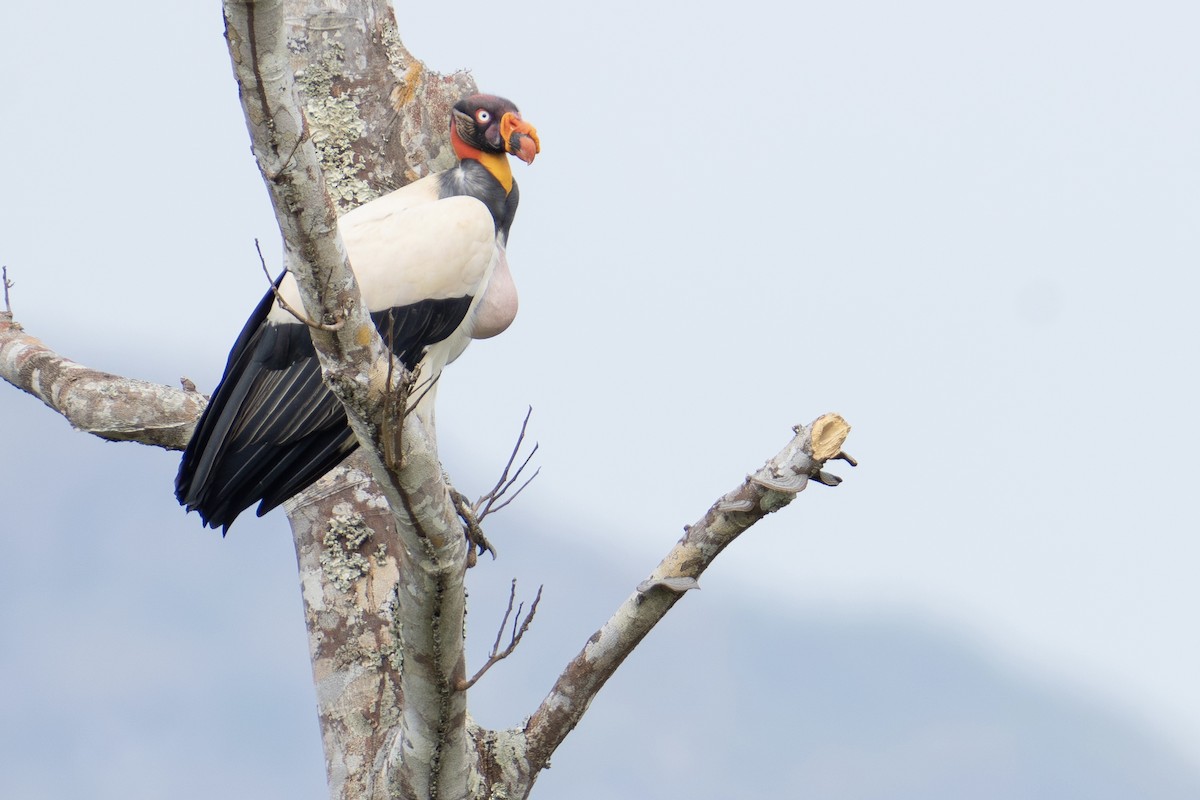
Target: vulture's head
{"points": [[484, 123]]}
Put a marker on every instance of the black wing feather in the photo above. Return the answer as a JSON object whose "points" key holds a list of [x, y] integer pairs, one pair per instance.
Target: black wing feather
{"points": [[272, 427]]}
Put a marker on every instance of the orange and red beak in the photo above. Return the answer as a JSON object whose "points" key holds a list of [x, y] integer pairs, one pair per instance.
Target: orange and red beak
{"points": [[520, 138]]}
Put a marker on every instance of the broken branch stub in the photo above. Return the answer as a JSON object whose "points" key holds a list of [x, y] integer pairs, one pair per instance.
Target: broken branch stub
{"points": [[829, 433]]}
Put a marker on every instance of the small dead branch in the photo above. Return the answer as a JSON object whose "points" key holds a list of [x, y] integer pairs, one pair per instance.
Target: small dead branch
{"points": [[107, 406], [398, 395], [426, 386], [7, 285], [497, 654], [273, 175], [490, 501], [321, 326], [397, 398]]}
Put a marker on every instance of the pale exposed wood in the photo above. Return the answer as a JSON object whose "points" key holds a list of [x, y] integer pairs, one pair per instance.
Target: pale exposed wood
{"points": [[828, 435]]}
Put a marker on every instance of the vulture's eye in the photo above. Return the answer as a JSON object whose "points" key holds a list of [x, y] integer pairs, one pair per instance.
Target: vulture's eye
{"points": [[483, 117]]}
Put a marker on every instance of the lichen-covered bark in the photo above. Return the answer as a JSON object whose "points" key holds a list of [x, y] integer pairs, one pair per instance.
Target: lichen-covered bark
{"points": [[384, 612], [109, 406], [376, 115], [348, 557]]}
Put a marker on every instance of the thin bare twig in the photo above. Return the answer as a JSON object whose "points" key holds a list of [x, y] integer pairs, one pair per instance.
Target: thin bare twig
{"points": [[321, 326], [498, 655], [398, 394], [471, 514], [7, 285], [426, 386], [397, 397], [273, 176], [489, 502]]}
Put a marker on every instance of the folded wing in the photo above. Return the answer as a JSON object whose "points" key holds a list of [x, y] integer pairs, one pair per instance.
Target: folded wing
{"points": [[272, 427]]}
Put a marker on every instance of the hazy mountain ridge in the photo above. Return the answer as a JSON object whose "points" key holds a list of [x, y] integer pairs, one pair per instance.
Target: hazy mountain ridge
{"points": [[138, 643]]}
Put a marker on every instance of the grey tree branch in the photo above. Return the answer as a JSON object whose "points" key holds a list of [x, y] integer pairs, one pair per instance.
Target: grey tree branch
{"points": [[788, 472], [105, 405], [377, 118]]}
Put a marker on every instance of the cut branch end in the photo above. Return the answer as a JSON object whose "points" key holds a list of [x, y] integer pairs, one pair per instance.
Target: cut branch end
{"points": [[829, 433]]}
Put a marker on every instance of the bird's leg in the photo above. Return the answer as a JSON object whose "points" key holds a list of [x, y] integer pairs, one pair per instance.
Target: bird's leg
{"points": [[472, 514], [479, 543]]}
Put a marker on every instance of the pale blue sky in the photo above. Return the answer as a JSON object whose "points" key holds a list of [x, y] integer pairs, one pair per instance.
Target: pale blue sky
{"points": [[969, 228]]}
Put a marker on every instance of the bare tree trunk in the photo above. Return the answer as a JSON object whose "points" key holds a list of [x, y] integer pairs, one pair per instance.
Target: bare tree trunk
{"points": [[377, 119], [423, 556]]}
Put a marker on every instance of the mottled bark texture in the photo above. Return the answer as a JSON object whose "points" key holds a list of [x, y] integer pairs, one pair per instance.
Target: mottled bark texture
{"points": [[376, 116], [111, 407], [377, 119], [339, 112]]}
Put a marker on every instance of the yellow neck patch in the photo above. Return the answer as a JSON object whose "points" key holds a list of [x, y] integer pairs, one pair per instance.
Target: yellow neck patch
{"points": [[495, 163], [498, 165]]}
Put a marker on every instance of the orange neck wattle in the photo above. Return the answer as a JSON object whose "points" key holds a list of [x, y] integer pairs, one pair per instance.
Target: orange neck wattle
{"points": [[495, 163]]}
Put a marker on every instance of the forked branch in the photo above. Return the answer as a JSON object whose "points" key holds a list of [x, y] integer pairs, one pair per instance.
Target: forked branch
{"points": [[497, 655], [472, 514], [427, 752], [493, 500]]}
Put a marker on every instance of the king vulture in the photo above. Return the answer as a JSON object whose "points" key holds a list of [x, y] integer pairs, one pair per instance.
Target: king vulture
{"points": [[430, 262]]}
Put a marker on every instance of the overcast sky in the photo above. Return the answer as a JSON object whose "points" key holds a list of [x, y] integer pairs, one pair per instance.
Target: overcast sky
{"points": [[969, 228]]}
